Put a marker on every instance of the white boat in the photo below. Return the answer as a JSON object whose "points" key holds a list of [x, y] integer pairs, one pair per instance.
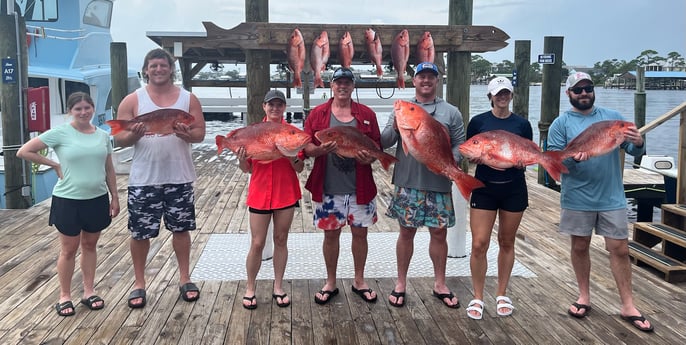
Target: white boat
{"points": [[68, 50]]}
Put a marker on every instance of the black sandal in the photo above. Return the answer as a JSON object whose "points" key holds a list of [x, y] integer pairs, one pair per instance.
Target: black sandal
{"points": [[61, 307], [91, 301], [250, 306], [281, 304]]}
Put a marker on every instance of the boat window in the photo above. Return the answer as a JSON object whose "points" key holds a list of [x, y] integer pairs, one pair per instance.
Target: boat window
{"points": [[98, 13], [38, 82], [37, 10], [71, 87]]}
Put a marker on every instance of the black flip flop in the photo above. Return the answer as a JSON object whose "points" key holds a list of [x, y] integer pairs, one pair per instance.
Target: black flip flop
{"points": [[587, 309], [135, 294], [450, 296], [632, 320], [250, 306], [361, 293], [397, 296], [90, 302], [329, 294], [281, 304]]}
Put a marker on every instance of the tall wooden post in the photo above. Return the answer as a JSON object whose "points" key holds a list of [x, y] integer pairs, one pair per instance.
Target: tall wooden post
{"points": [[14, 127], [459, 63], [256, 63], [457, 93], [640, 104], [550, 96], [119, 65], [520, 103]]}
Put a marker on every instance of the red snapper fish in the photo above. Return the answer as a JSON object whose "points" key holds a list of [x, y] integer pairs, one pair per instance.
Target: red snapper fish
{"points": [[427, 140], [160, 121], [265, 141], [599, 138], [501, 149], [400, 53], [374, 49], [296, 56], [319, 56], [425, 48], [346, 50], [349, 140]]}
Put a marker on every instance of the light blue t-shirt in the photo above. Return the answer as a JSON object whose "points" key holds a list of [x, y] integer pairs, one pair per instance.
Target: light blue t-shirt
{"points": [[82, 158], [595, 184]]}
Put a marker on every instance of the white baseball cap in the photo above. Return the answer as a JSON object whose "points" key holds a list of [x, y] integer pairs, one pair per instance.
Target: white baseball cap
{"points": [[576, 77], [498, 84]]}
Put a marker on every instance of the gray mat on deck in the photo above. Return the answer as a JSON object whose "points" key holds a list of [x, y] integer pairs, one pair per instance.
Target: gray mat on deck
{"points": [[224, 258]]}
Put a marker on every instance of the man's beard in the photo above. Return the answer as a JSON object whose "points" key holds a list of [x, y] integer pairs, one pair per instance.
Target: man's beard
{"points": [[582, 106]]}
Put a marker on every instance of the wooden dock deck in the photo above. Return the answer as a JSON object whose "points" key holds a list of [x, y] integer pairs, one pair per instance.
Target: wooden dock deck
{"points": [[29, 288]]}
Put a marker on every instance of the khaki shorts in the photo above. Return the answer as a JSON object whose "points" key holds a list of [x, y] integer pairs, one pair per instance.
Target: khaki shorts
{"points": [[612, 224]]}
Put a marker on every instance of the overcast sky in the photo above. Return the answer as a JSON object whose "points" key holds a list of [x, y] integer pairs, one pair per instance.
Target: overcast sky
{"points": [[593, 30]]}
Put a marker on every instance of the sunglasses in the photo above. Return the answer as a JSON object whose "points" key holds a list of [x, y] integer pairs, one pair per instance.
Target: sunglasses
{"points": [[577, 90]]}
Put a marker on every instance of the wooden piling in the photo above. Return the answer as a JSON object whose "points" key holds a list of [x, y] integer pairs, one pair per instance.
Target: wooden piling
{"points": [[550, 96], [14, 121], [256, 64], [520, 103], [119, 68]]}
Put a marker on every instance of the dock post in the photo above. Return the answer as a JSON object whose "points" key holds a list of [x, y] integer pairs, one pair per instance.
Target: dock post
{"points": [[268, 251], [640, 106], [550, 97], [457, 234]]}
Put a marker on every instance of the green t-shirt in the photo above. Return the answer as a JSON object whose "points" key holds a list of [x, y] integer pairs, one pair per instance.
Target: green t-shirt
{"points": [[82, 158]]}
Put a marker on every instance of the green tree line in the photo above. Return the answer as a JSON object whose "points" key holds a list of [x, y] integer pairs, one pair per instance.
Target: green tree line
{"points": [[602, 70]]}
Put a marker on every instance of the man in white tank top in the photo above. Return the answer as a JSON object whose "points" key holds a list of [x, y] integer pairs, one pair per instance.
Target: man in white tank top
{"points": [[160, 186]]}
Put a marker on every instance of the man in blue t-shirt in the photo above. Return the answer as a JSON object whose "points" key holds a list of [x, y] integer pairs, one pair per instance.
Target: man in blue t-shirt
{"points": [[592, 196]]}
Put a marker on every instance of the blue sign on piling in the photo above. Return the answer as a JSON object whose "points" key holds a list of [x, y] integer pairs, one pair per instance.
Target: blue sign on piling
{"points": [[9, 71]]}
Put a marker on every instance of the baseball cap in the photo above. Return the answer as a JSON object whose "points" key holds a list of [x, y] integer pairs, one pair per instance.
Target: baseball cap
{"points": [[576, 77], [342, 72], [426, 66], [274, 94], [498, 84]]}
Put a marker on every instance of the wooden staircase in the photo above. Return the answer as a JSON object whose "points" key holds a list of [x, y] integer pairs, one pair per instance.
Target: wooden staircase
{"points": [[662, 245]]}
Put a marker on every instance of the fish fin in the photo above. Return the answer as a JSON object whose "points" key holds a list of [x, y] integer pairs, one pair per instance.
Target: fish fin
{"points": [[386, 160], [553, 164], [220, 147], [116, 125]]}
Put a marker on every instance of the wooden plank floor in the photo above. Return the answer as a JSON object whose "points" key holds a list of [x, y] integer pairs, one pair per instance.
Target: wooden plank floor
{"points": [[29, 288]]}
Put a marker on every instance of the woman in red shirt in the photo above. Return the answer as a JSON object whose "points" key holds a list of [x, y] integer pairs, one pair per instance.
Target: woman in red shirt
{"points": [[273, 192]]}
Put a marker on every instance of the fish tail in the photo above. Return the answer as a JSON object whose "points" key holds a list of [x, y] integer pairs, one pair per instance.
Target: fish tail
{"points": [[386, 160], [116, 125], [318, 81], [220, 144], [401, 81], [466, 183], [553, 164], [297, 82], [379, 70]]}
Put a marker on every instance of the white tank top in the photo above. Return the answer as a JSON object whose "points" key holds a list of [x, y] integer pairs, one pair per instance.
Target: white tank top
{"points": [[161, 159]]}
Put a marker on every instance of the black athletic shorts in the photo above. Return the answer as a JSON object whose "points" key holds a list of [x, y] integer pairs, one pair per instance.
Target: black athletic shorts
{"points": [[70, 216], [511, 196]]}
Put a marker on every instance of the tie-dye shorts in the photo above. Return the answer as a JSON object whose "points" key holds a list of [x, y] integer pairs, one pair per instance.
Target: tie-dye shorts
{"points": [[414, 208]]}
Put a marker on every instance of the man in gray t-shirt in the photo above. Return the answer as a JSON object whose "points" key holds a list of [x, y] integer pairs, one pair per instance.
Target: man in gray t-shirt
{"points": [[421, 197]]}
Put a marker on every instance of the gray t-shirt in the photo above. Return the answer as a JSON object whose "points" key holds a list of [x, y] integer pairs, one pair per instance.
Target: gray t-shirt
{"points": [[410, 173], [340, 171]]}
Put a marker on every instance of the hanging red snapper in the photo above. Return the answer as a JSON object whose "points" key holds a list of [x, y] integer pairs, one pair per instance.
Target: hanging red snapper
{"points": [[265, 141], [501, 149], [319, 56], [400, 52], [374, 49], [427, 140], [161, 121], [295, 52], [425, 48], [346, 50]]}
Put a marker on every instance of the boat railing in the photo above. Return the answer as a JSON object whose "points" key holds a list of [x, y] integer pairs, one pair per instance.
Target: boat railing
{"points": [[681, 152]]}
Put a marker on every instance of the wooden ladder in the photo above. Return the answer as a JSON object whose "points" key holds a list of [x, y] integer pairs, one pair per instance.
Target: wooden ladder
{"points": [[662, 245]]}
